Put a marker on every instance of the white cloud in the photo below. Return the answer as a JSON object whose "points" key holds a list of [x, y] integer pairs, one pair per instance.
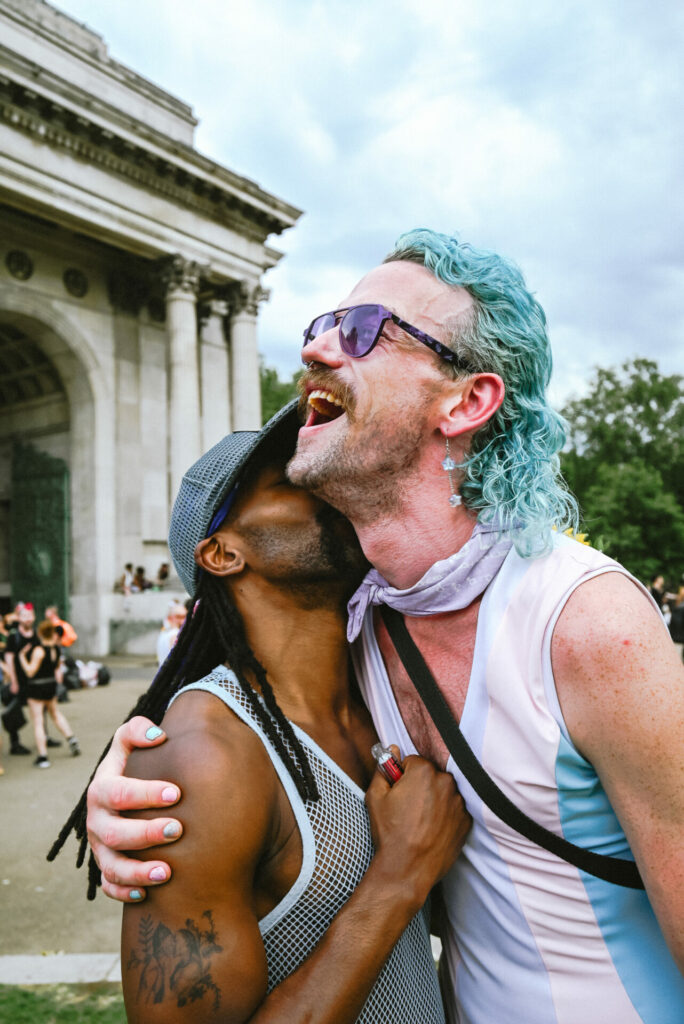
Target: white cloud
{"points": [[552, 133]]}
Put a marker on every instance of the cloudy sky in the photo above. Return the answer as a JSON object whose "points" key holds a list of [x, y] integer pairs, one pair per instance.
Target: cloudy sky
{"points": [[551, 132]]}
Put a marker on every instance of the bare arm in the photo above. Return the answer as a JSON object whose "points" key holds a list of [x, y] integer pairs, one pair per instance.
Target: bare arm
{"points": [[31, 664], [9, 665], [620, 684], [419, 827], [109, 833]]}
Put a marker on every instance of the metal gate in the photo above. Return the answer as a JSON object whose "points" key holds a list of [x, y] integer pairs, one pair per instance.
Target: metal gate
{"points": [[39, 529]]}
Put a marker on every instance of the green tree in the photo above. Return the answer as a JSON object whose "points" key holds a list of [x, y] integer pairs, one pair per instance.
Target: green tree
{"points": [[630, 515], [275, 393], [625, 462]]}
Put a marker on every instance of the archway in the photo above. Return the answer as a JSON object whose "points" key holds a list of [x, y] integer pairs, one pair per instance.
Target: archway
{"points": [[34, 484], [63, 354]]}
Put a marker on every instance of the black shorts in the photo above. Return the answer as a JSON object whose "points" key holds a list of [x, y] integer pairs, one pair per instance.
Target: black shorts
{"points": [[41, 689]]}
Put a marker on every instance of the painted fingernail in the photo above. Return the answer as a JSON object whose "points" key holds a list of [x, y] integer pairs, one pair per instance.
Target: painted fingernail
{"points": [[135, 894], [172, 830], [153, 733], [169, 794], [157, 875]]}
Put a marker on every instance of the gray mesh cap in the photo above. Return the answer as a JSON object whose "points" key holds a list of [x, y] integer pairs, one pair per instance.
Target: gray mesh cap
{"points": [[207, 484]]}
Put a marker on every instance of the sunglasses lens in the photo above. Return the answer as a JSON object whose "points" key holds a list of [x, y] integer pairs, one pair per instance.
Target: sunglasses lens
{"points": [[359, 329], [319, 326]]}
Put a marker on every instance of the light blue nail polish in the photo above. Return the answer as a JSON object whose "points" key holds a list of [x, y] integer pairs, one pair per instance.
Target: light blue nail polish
{"points": [[135, 894], [172, 830], [153, 733]]}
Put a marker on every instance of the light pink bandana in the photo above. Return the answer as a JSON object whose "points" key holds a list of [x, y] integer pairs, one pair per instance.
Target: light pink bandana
{"points": [[453, 583]]}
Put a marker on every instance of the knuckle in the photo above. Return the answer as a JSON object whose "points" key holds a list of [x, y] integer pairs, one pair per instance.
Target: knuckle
{"points": [[121, 733], [118, 795], [93, 797], [153, 833], [110, 837], [109, 874]]}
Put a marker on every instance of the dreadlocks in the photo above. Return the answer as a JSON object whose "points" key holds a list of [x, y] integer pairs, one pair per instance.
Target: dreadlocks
{"points": [[213, 634]]}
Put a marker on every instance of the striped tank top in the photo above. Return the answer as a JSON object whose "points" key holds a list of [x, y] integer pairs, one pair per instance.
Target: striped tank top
{"points": [[530, 938], [337, 850]]}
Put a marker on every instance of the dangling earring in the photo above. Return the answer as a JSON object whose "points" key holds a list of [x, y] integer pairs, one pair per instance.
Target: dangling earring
{"points": [[448, 465]]}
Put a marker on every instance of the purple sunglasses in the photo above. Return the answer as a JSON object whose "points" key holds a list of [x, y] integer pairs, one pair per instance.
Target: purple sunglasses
{"points": [[360, 329]]}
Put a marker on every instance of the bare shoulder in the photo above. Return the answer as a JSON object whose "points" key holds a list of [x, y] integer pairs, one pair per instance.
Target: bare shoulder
{"points": [[224, 774], [614, 664], [203, 735]]}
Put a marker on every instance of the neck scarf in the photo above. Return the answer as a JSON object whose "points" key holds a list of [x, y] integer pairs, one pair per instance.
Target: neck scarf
{"points": [[448, 585]]}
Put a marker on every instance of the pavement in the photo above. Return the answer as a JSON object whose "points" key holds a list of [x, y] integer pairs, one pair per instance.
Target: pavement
{"points": [[49, 932]]}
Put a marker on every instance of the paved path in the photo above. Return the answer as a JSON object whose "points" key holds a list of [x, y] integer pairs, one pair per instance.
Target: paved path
{"points": [[43, 907], [60, 969]]}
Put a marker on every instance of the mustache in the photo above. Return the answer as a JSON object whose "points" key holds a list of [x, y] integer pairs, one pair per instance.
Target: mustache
{"points": [[326, 380]]}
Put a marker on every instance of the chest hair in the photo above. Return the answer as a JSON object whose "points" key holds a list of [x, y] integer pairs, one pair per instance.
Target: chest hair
{"points": [[447, 643]]}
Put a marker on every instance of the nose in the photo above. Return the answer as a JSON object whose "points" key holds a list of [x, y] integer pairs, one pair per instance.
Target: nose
{"points": [[324, 349]]}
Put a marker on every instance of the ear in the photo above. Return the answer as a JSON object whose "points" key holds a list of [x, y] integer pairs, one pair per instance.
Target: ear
{"points": [[218, 556], [471, 404]]}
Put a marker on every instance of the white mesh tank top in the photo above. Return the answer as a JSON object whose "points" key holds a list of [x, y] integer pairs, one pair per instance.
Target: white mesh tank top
{"points": [[337, 849]]}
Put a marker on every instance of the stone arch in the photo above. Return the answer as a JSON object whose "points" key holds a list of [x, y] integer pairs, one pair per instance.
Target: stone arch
{"points": [[90, 399]]}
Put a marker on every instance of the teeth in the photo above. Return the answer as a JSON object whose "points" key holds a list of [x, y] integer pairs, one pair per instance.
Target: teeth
{"points": [[326, 396]]}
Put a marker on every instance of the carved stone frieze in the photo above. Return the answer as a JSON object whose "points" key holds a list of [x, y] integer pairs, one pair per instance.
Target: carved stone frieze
{"points": [[236, 202]]}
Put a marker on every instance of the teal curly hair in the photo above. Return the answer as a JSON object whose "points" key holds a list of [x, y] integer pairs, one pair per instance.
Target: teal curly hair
{"points": [[511, 472]]}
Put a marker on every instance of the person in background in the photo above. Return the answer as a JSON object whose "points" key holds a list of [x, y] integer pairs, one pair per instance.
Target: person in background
{"points": [[42, 672], [140, 581], [173, 623], [65, 631], [657, 589], [22, 635], [126, 581], [162, 575]]}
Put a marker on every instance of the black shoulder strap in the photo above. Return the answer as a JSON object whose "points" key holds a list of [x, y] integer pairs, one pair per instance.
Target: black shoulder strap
{"points": [[611, 869]]}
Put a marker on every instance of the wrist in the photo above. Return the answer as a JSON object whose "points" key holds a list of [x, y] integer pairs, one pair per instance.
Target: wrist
{"points": [[403, 888]]}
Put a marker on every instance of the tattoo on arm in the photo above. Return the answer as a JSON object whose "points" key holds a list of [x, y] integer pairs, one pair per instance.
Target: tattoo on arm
{"points": [[175, 963]]}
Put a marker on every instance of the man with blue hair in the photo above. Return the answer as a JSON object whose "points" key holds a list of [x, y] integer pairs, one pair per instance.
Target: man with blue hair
{"points": [[426, 423]]}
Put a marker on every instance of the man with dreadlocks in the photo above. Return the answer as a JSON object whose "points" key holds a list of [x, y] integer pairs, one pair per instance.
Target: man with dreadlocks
{"points": [[280, 907], [426, 422]]}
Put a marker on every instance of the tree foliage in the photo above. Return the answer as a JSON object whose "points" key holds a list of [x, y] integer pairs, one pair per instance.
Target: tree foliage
{"points": [[275, 393], [625, 462]]}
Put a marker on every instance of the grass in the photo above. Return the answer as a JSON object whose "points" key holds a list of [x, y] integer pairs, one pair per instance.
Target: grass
{"points": [[62, 1004]]}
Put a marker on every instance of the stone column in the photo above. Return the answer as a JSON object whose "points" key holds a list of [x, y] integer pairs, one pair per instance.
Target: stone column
{"points": [[181, 280], [214, 373], [244, 299]]}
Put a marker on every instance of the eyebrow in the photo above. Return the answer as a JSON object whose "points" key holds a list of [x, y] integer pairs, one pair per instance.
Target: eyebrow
{"points": [[390, 309]]}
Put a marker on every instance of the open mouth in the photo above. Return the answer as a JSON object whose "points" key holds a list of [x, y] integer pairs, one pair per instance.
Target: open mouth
{"points": [[323, 406]]}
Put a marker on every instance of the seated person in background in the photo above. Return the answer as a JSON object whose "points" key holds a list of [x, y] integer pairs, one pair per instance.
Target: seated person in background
{"points": [[173, 623], [140, 581], [298, 902], [65, 631], [43, 671], [126, 582], [162, 575]]}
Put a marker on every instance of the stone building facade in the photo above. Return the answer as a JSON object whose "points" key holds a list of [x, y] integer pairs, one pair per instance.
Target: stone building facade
{"points": [[131, 274]]}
